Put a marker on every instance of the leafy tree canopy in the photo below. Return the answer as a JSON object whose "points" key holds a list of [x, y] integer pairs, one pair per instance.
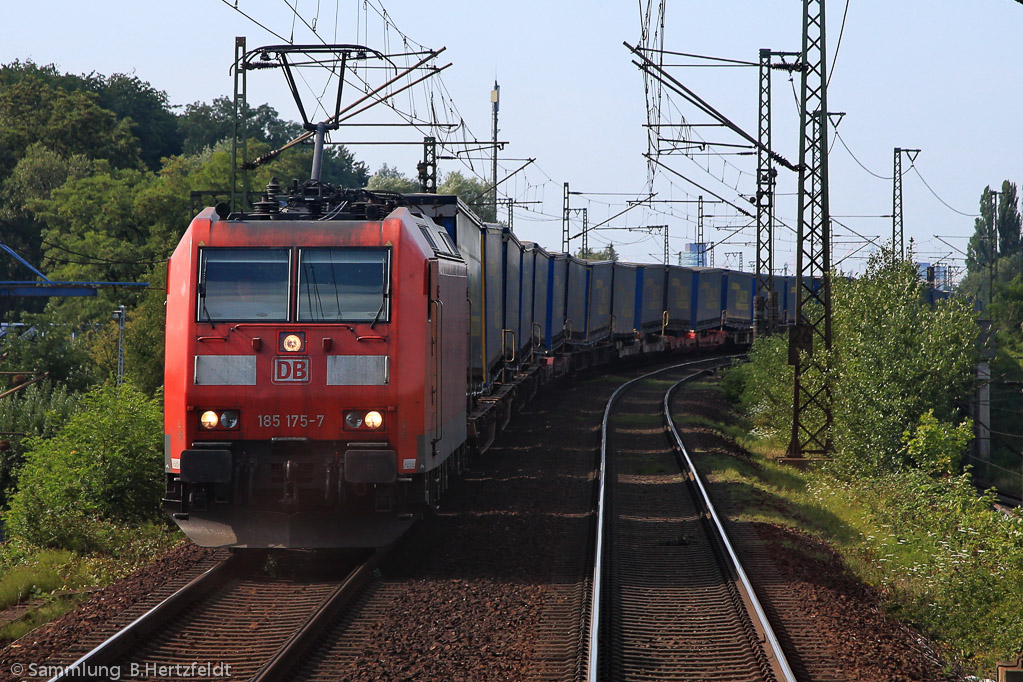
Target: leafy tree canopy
{"points": [[470, 190], [606, 253], [889, 366]]}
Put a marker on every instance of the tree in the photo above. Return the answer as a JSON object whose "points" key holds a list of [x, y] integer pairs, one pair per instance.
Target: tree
{"points": [[472, 192], [894, 362], [889, 365], [983, 246], [1008, 220], [390, 179], [152, 121], [37, 174], [606, 253]]}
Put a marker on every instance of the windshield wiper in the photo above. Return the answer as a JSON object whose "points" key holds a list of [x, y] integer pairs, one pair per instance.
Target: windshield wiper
{"points": [[383, 295], [203, 311]]}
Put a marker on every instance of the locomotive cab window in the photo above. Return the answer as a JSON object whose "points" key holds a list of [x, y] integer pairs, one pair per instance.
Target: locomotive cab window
{"points": [[344, 285], [241, 285]]}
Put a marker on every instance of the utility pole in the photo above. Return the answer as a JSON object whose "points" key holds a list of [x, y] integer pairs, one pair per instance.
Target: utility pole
{"points": [[511, 203], [495, 99], [564, 221], [586, 232], [812, 412], [119, 315], [766, 175], [701, 245], [898, 245], [766, 301], [992, 267], [239, 200], [428, 167]]}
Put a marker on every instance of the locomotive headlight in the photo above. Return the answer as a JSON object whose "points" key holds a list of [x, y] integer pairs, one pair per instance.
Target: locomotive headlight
{"points": [[374, 420], [209, 419], [353, 420], [228, 419], [292, 343]]}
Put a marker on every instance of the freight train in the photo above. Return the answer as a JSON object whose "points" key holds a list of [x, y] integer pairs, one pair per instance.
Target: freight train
{"points": [[334, 357]]}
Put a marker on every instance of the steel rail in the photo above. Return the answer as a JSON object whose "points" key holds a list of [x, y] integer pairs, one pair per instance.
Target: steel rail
{"points": [[290, 655], [145, 625], [592, 662], [763, 622]]}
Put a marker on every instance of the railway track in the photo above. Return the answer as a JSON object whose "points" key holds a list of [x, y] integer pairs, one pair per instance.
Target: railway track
{"points": [[670, 598], [241, 619]]}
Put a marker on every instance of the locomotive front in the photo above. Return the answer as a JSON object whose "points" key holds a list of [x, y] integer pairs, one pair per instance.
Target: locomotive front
{"points": [[306, 404]]}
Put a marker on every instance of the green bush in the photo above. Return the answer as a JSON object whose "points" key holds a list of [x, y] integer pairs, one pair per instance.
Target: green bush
{"points": [[950, 562], [889, 364], [894, 361], [764, 387], [37, 410], [936, 447], [101, 469]]}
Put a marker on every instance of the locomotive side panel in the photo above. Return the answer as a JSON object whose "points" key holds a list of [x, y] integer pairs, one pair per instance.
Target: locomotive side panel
{"points": [[448, 385]]}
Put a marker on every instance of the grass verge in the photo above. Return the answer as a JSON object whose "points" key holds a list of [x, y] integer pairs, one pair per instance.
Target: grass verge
{"points": [[58, 579]]}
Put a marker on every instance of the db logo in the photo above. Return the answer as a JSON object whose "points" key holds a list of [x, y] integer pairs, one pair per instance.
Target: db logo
{"points": [[291, 371]]}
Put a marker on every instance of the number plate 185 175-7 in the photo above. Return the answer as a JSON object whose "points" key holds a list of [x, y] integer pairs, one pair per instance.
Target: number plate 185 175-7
{"points": [[301, 421]]}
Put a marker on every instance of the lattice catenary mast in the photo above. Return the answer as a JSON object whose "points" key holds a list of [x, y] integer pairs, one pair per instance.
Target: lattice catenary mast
{"points": [[812, 413]]}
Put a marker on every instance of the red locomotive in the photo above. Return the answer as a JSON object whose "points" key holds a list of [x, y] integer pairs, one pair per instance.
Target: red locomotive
{"points": [[315, 372]]}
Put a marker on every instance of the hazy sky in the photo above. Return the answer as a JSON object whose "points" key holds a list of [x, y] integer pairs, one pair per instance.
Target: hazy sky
{"points": [[939, 75]]}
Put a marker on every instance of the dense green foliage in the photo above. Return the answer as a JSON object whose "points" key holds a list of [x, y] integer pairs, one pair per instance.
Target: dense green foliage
{"points": [[606, 253], [37, 410], [890, 364], [471, 191], [101, 468], [895, 361], [995, 276]]}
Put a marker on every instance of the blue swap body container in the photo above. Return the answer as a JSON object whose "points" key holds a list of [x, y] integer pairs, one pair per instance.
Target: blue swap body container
{"points": [[738, 290], [577, 300], [708, 298], [623, 301], [557, 288], [650, 292], [601, 290], [679, 297]]}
